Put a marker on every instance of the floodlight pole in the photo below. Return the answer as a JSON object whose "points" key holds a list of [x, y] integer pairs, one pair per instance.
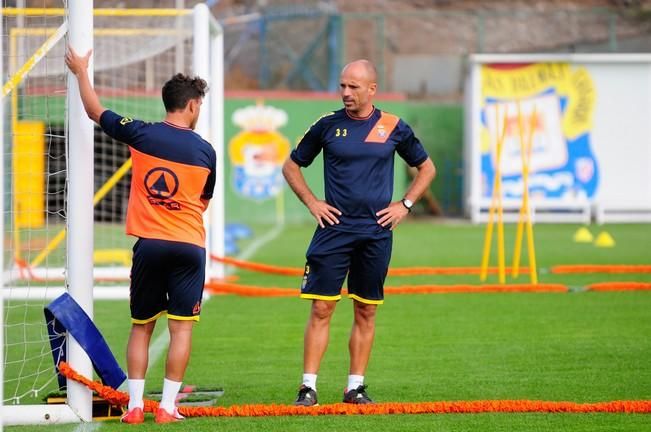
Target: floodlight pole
{"points": [[80, 203]]}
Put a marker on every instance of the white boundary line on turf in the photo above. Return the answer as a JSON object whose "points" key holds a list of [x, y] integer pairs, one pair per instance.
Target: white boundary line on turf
{"points": [[88, 427]]}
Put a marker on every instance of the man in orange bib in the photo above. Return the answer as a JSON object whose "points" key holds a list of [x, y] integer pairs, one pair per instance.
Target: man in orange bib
{"points": [[172, 181]]}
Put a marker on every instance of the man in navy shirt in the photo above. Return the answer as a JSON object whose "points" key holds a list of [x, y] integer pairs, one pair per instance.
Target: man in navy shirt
{"points": [[356, 219]]}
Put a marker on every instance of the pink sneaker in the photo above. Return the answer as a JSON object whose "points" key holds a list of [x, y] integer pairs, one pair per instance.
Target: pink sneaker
{"points": [[133, 416], [163, 416]]}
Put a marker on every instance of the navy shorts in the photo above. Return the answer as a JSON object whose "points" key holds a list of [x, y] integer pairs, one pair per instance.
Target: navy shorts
{"points": [[166, 277], [333, 254]]}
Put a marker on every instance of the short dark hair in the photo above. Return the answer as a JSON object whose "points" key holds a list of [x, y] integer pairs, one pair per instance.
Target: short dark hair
{"points": [[180, 89]]}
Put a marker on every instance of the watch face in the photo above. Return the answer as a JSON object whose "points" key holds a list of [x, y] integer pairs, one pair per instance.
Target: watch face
{"points": [[407, 203]]}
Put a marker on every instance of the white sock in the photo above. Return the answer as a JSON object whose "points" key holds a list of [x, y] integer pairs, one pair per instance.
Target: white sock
{"points": [[354, 381], [309, 380], [170, 390], [136, 390]]}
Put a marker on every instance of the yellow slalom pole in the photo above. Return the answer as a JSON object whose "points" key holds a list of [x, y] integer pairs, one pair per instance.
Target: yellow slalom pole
{"points": [[99, 195], [501, 272], [483, 273], [488, 239], [525, 213], [19, 75], [500, 238], [517, 250], [533, 272], [501, 268], [49, 248], [530, 249], [110, 183]]}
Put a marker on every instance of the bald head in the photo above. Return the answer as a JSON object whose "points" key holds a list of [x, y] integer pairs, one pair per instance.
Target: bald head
{"points": [[358, 83], [363, 69]]}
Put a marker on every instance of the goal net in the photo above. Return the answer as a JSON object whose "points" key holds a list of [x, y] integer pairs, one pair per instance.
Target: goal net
{"points": [[135, 52]]}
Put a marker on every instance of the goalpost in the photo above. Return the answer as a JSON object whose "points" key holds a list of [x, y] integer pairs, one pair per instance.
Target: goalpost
{"points": [[2, 224], [65, 184]]}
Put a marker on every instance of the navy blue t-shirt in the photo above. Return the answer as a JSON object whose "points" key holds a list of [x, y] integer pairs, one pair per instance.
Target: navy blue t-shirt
{"points": [[358, 156], [173, 170], [165, 141]]}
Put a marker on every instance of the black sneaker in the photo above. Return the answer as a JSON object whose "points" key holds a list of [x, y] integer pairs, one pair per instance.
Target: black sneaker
{"points": [[357, 396], [306, 396]]}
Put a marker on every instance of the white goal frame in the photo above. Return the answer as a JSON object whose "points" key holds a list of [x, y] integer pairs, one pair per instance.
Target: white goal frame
{"points": [[207, 63]]}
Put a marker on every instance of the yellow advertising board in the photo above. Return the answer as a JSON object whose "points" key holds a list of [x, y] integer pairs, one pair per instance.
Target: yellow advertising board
{"points": [[28, 174]]}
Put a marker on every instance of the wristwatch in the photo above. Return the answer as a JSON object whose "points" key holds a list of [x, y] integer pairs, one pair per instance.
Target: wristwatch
{"points": [[407, 203]]}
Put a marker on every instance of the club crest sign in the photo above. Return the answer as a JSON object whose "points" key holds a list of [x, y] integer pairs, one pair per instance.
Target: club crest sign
{"points": [[258, 151]]}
